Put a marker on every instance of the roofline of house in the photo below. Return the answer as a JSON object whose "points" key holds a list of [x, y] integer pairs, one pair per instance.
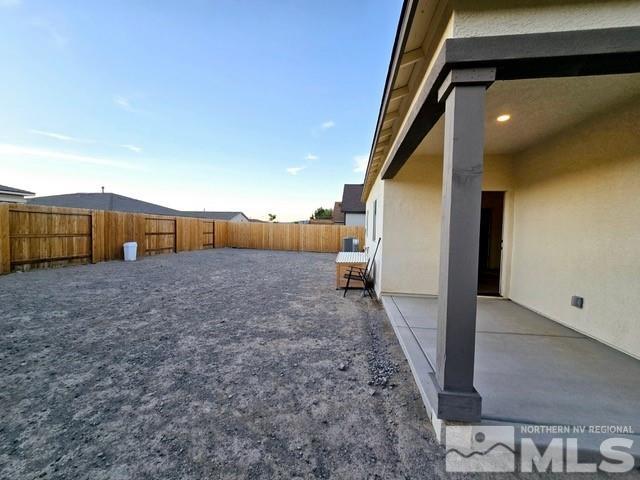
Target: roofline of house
{"points": [[402, 33], [16, 192], [241, 213]]}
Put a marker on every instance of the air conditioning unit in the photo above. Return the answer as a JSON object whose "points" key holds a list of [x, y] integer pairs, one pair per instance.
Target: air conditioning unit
{"points": [[350, 244]]}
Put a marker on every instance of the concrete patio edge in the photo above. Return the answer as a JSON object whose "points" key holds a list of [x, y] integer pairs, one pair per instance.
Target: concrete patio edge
{"points": [[419, 364]]}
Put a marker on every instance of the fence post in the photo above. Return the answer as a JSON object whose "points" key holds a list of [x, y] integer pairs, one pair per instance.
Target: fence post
{"points": [[92, 238], [5, 241], [175, 234]]}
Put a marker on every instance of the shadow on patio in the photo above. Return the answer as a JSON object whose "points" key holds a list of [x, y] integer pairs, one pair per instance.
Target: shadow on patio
{"points": [[529, 370]]}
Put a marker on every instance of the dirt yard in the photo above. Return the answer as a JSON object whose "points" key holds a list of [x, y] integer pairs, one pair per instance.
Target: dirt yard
{"points": [[220, 364]]}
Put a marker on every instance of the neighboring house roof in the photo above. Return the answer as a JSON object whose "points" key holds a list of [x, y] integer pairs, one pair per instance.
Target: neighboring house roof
{"points": [[120, 203], [338, 214], [14, 191], [103, 201], [352, 198], [214, 215]]}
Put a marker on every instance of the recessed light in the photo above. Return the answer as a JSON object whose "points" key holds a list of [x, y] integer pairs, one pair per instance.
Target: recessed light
{"points": [[504, 118]]}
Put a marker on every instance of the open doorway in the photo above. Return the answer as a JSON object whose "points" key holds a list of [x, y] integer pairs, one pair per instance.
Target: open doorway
{"points": [[492, 212]]}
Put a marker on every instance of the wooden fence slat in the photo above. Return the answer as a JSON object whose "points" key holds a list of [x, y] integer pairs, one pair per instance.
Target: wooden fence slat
{"points": [[222, 234], [181, 234]]}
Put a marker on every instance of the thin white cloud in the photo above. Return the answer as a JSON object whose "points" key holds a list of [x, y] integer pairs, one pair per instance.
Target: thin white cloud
{"points": [[320, 129], [124, 103], [360, 163], [14, 151], [10, 3], [60, 136], [294, 170], [132, 148], [311, 157], [67, 138]]}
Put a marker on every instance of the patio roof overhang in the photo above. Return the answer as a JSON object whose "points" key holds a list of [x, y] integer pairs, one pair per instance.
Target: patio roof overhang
{"points": [[456, 87], [525, 56]]}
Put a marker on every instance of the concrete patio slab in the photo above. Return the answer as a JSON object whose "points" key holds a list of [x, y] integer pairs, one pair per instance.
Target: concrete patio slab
{"points": [[496, 315], [529, 369]]}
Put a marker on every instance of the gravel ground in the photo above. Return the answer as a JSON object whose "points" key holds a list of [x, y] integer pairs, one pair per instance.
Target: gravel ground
{"points": [[222, 364], [212, 364]]}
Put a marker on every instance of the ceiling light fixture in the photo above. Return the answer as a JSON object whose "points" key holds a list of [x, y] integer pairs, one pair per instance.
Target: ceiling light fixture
{"points": [[504, 117]]}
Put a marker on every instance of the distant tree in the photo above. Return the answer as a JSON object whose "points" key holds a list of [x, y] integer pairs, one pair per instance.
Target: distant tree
{"points": [[322, 214], [272, 217]]}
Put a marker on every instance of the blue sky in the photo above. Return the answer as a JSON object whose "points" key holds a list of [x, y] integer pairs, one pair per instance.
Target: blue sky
{"points": [[260, 106]]}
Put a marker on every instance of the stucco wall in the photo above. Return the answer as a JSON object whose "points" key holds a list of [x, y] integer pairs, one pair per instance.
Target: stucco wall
{"points": [[577, 228], [412, 221], [503, 17], [377, 194]]}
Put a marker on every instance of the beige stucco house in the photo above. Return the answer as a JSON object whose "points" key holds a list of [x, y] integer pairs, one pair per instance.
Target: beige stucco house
{"points": [[506, 163]]}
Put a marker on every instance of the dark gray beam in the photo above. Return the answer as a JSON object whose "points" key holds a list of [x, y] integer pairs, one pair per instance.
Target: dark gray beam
{"points": [[554, 54], [538, 55]]}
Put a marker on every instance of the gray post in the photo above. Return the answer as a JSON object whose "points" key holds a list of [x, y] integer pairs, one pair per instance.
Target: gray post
{"points": [[464, 91]]}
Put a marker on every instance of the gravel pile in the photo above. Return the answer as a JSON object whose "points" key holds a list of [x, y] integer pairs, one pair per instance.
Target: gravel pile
{"points": [[381, 367]]}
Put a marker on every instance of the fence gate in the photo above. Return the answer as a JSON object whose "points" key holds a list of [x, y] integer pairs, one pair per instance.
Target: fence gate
{"points": [[159, 235], [208, 234]]}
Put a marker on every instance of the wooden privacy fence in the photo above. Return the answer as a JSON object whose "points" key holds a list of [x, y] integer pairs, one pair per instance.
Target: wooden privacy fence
{"points": [[34, 236], [291, 236]]}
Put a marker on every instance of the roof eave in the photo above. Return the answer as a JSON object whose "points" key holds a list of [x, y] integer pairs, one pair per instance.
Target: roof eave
{"points": [[402, 33]]}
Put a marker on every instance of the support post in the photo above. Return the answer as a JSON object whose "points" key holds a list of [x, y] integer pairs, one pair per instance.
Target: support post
{"points": [[464, 94]]}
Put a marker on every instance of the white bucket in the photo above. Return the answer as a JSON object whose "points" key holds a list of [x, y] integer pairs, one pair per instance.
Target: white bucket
{"points": [[130, 250]]}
